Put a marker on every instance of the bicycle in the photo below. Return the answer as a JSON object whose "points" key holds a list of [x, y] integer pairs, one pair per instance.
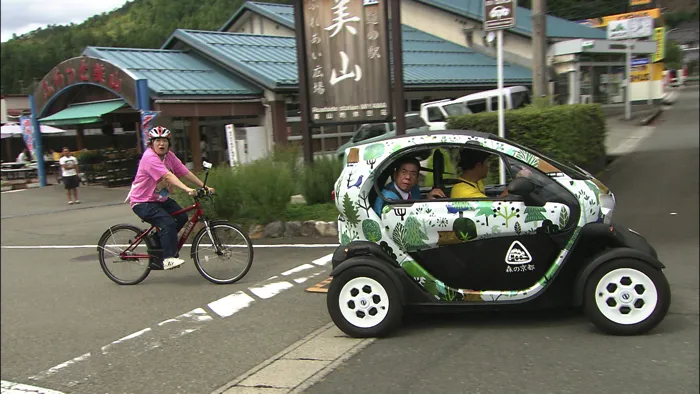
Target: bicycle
{"points": [[141, 264]]}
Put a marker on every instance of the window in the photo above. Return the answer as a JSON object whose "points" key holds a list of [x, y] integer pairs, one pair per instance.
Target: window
{"points": [[434, 115], [520, 99], [545, 187], [414, 122], [369, 131], [477, 106], [457, 109]]}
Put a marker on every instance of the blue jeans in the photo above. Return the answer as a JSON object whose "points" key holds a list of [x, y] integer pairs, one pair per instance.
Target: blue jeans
{"points": [[158, 214]]}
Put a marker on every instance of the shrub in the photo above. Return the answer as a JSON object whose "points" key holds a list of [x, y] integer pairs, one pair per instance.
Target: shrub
{"points": [[252, 192], [573, 133], [318, 179]]}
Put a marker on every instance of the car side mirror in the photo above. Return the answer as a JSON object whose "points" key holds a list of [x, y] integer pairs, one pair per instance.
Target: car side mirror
{"points": [[206, 165]]}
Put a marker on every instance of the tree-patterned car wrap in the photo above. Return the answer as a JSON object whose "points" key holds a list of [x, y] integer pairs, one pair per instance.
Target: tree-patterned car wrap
{"points": [[423, 225]]}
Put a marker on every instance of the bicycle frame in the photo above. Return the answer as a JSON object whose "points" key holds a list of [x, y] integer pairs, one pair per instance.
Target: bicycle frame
{"points": [[188, 230]]}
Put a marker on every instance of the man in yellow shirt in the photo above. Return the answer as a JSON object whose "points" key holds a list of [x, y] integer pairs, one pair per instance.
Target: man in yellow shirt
{"points": [[475, 167]]}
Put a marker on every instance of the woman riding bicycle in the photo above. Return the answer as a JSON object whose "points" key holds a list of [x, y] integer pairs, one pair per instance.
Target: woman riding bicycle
{"points": [[159, 170]]}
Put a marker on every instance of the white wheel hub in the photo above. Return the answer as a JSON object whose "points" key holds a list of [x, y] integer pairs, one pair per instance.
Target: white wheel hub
{"points": [[363, 302], [626, 296]]}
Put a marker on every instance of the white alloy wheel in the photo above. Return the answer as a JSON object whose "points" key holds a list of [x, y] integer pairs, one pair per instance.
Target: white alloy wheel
{"points": [[626, 296], [363, 302]]}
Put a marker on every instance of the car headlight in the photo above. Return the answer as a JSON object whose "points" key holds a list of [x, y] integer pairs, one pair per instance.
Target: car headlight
{"points": [[607, 206]]}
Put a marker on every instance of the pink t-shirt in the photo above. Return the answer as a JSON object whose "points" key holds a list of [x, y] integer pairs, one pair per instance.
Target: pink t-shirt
{"points": [[151, 169]]}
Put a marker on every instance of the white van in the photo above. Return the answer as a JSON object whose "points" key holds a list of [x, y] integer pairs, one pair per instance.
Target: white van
{"points": [[435, 113]]}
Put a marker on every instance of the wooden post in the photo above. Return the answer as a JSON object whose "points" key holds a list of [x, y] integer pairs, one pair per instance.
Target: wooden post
{"points": [[193, 130], [139, 148]]}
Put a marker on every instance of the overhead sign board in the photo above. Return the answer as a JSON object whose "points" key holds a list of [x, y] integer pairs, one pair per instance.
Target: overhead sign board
{"points": [[630, 28], [499, 14], [348, 76], [653, 13]]}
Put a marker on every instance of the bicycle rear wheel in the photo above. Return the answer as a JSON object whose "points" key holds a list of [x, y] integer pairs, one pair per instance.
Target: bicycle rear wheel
{"points": [[233, 260], [124, 271]]}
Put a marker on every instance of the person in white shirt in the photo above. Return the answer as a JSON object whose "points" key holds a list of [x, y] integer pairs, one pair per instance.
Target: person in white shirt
{"points": [[69, 172], [24, 157]]}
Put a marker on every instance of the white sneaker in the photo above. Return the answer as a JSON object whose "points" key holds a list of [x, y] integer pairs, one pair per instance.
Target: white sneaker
{"points": [[172, 262]]}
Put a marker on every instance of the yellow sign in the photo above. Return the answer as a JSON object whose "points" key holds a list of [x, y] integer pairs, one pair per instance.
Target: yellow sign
{"points": [[639, 2], [641, 73], [602, 22], [660, 38]]}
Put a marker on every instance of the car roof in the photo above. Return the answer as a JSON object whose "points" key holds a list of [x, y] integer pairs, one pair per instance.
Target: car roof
{"points": [[469, 133]]}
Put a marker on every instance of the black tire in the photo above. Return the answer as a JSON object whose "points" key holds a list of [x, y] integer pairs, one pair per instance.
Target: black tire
{"points": [[346, 301], [131, 232], [611, 298], [215, 276]]}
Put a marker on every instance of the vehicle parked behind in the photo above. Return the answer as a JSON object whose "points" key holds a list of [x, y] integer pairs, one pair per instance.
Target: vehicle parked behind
{"points": [[372, 132]]}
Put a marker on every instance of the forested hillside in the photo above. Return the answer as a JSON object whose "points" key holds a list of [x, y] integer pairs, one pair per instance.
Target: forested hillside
{"points": [[147, 23], [138, 24]]}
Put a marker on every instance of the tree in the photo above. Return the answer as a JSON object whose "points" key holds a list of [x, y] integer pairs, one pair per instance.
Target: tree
{"points": [[674, 56]]}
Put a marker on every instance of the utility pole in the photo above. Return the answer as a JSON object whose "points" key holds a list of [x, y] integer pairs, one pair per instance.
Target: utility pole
{"points": [[539, 49]]}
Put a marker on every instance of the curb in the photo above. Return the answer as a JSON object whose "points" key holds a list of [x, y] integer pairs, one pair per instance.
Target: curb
{"points": [[651, 118]]}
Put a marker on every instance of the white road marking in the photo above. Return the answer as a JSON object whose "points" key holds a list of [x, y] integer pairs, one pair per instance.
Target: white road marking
{"points": [[59, 367], [126, 338], [14, 191], [323, 260], [17, 388], [231, 304], [297, 269], [185, 245], [270, 290], [137, 343]]}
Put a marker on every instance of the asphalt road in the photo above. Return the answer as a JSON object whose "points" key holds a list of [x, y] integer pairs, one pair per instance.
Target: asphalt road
{"points": [[66, 327], [657, 194]]}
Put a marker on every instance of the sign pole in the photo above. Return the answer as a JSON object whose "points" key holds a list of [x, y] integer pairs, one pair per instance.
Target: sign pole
{"points": [[501, 115], [306, 134], [397, 57], [650, 102], [628, 81]]}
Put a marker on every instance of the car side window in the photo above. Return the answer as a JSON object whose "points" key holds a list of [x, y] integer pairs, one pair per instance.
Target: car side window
{"points": [[545, 187], [434, 115], [477, 106]]}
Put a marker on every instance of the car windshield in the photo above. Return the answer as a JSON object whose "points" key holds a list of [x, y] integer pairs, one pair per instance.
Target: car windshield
{"points": [[457, 109]]}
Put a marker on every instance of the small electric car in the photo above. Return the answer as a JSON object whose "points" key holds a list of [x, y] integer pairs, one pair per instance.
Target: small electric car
{"points": [[549, 241]]}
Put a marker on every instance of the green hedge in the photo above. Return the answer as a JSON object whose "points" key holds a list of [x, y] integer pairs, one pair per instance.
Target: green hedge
{"points": [[573, 133], [318, 180]]}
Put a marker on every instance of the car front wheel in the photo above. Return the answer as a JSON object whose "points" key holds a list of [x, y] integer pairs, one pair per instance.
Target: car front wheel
{"points": [[364, 302], [626, 297]]}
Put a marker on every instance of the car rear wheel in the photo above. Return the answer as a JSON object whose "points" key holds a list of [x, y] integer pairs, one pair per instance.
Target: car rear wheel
{"points": [[626, 297], [364, 302]]}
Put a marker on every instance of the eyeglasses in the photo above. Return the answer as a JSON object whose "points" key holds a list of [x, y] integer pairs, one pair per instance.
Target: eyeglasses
{"points": [[412, 174]]}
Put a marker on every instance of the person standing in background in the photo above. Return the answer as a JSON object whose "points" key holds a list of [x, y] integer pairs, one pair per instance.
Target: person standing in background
{"points": [[69, 172], [203, 147]]}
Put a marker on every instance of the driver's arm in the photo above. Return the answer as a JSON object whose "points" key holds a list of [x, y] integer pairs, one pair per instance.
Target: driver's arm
{"points": [[192, 178], [175, 181]]}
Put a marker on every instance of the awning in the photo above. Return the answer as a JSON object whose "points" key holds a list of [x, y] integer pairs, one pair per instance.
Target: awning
{"points": [[82, 113]]}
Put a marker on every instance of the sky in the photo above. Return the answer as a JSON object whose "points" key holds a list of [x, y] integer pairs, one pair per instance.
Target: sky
{"points": [[23, 16]]}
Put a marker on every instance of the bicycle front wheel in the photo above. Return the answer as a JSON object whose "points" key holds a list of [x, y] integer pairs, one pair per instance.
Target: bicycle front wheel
{"points": [[122, 269], [229, 260]]}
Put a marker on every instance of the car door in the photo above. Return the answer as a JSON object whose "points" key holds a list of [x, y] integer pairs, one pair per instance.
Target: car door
{"points": [[492, 243]]}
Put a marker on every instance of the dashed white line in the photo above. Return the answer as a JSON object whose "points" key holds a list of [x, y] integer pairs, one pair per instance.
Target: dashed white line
{"points": [[231, 304], [17, 388], [270, 290], [297, 269], [59, 367], [224, 307]]}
